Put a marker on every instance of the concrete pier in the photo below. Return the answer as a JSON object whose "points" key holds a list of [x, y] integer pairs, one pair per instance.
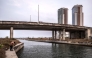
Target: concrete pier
{"points": [[88, 33], [11, 32], [55, 34], [60, 35], [12, 54], [63, 34]]}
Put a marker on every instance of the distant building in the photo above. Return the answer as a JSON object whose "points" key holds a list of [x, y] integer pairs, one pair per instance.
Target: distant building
{"points": [[77, 15], [63, 16]]}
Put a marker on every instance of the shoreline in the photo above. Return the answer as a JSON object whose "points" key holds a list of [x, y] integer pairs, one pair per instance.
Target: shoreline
{"points": [[65, 42]]}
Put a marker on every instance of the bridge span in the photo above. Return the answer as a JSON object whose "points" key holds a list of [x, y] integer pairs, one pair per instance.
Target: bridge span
{"points": [[74, 30]]}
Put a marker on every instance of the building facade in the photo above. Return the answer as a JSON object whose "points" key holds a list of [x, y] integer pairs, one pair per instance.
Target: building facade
{"points": [[63, 16], [77, 15]]}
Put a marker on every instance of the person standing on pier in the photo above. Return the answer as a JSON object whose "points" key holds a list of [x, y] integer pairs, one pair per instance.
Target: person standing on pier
{"points": [[11, 46]]}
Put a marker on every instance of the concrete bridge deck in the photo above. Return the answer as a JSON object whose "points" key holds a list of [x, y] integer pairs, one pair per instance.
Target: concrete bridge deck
{"points": [[23, 25], [74, 30]]}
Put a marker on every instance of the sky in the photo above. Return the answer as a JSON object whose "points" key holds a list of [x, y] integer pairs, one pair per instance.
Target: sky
{"points": [[20, 10]]}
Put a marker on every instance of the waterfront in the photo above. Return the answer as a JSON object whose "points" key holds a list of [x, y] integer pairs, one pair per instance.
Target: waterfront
{"points": [[48, 50]]}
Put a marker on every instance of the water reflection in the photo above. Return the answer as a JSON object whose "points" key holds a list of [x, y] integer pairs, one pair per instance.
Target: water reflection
{"points": [[51, 50]]}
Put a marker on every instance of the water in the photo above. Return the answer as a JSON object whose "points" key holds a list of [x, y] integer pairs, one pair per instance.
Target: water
{"points": [[48, 50]]}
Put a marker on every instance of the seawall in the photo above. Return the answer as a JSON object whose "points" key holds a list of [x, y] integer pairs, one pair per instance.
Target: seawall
{"points": [[67, 42], [12, 54]]}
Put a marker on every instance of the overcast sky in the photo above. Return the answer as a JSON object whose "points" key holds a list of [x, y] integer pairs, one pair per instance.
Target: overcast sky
{"points": [[20, 10]]}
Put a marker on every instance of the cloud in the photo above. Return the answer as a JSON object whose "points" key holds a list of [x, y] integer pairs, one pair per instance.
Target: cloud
{"points": [[16, 3]]}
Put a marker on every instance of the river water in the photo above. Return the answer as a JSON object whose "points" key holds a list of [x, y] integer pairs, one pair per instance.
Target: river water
{"points": [[50, 50]]}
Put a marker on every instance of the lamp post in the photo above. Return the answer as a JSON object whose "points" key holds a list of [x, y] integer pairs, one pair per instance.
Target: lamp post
{"points": [[38, 13], [30, 18]]}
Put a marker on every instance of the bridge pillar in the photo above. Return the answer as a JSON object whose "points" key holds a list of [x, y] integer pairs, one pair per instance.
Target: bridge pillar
{"points": [[11, 32], [55, 34], [76, 36], [63, 34], [70, 35], [88, 33], [60, 35], [52, 34], [82, 35]]}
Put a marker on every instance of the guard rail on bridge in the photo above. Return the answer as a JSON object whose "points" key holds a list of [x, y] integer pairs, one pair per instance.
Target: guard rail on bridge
{"points": [[40, 23]]}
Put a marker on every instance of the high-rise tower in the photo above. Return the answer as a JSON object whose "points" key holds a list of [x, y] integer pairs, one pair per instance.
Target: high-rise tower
{"points": [[77, 15], [63, 16]]}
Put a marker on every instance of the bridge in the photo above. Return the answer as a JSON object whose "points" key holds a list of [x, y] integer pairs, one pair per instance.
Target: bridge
{"points": [[74, 30]]}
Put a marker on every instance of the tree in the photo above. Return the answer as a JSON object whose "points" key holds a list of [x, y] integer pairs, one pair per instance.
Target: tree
{"points": [[6, 37]]}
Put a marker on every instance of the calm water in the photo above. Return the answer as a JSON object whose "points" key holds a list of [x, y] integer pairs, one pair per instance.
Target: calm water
{"points": [[48, 50]]}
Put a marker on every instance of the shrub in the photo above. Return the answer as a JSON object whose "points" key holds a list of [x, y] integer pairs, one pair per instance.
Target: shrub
{"points": [[13, 39], [1, 45], [2, 53], [6, 43], [6, 37]]}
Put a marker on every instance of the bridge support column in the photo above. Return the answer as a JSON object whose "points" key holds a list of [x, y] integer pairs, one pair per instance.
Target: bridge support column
{"points": [[63, 34], [52, 34], [72, 35], [55, 34], [11, 32], [88, 33], [60, 35], [76, 36], [69, 35], [82, 35]]}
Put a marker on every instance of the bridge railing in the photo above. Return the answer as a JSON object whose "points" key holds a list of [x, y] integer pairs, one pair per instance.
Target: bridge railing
{"points": [[39, 23], [34, 23]]}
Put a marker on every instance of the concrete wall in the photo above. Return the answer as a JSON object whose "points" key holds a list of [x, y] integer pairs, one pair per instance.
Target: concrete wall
{"points": [[18, 47]]}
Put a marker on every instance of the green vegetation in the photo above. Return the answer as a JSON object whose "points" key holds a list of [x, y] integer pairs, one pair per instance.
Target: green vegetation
{"points": [[6, 37], [4, 45], [1, 45], [2, 53]]}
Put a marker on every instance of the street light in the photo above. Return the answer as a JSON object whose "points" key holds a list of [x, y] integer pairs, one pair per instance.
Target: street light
{"points": [[30, 18], [38, 13]]}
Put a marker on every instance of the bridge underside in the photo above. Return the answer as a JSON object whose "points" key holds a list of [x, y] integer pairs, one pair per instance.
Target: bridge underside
{"points": [[74, 32], [37, 27]]}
